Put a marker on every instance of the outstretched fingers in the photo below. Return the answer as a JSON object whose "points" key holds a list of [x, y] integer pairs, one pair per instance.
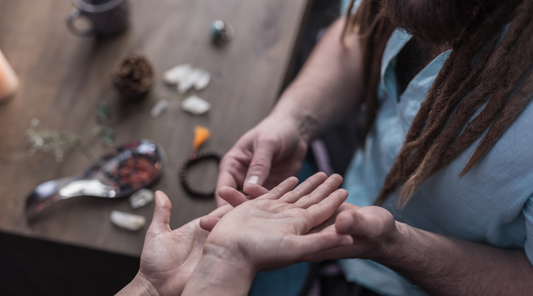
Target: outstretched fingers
{"points": [[321, 192], [305, 187], [323, 210], [281, 189]]}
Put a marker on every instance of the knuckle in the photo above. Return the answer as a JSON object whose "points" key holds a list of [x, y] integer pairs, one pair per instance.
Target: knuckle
{"points": [[260, 164]]}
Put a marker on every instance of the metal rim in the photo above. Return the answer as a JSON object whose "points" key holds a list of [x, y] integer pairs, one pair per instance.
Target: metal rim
{"points": [[97, 8]]}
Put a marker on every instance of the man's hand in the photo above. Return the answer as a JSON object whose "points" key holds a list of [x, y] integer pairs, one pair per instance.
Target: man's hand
{"points": [[373, 229], [327, 88], [169, 256], [265, 155]]}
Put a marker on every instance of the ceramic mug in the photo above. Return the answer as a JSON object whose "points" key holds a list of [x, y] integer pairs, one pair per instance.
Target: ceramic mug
{"points": [[103, 18]]}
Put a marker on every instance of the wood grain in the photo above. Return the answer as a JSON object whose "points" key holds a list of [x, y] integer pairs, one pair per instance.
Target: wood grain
{"points": [[64, 78]]}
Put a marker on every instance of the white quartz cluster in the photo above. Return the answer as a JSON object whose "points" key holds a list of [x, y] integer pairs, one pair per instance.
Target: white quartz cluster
{"points": [[186, 77], [141, 198], [195, 105], [128, 221]]}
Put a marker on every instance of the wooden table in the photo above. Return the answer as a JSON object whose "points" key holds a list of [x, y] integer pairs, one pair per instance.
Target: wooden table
{"points": [[64, 78]]}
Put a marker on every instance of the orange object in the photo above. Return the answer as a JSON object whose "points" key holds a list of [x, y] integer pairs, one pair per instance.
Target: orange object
{"points": [[9, 81], [201, 134]]}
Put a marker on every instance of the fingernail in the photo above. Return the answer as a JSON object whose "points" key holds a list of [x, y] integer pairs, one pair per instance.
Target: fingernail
{"points": [[346, 241], [252, 180]]}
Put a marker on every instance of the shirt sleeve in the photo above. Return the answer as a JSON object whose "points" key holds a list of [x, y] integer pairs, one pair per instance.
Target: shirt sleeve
{"points": [[528, 213]]}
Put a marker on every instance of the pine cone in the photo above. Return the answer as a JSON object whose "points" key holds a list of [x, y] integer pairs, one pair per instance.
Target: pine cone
{"points": [[133, 76]]}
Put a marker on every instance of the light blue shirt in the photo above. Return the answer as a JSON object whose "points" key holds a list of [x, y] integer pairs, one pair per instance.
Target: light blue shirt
{"points": [[492, 204]]}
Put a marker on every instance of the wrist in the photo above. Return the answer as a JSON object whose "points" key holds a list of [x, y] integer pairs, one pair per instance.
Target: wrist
{"points": [[392, 247], [140, 285], [220, 272], [305, 123], [222, 256]]}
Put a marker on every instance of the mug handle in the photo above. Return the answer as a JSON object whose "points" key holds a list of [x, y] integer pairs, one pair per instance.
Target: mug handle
{"points": [[74, 14]]}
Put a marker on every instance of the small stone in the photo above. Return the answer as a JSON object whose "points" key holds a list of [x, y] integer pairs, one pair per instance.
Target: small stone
{"points": [[158, 108], [195, 105], [59, 155], [39, 142], [202, 81], [177, 74], [34, 122], [189, 81], [221, 32], [141, 198], [109, 136], [103, 113], [96, 130], [128, 221]]}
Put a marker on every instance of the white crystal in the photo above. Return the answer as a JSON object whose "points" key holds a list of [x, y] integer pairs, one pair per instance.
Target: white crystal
{"points": [[128, 221], [202, 81], [34, 122], [177, 74], [185, 86], [141, 198], [195, 105], [188, 81], [187, 77], [158, 108]]}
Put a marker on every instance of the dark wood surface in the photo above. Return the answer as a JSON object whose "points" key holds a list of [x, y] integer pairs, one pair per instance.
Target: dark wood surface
{"points": [[64, 78]]}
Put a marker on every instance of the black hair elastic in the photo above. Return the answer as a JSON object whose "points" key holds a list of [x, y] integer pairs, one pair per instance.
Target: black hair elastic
{"points": [[196, 157]]}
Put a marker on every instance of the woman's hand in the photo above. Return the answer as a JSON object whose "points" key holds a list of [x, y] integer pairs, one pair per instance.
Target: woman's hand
{"points": [[169, 256], [269, 231], [272, 230], [373, 229]]}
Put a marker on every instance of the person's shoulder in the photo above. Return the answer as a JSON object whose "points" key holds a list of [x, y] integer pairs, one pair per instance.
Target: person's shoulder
{"points": [[514, 145]]}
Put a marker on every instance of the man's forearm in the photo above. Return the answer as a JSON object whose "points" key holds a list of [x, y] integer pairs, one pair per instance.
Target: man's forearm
{"points": [[329, 85], [447, 266]]}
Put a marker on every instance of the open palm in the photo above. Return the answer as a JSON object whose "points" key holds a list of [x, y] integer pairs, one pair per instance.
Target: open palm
{"points": [[272, 230], [170, 256]]}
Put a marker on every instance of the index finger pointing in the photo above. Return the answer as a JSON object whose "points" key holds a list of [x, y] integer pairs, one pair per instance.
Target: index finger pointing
{"points": [[259, 168], [231, 174]]}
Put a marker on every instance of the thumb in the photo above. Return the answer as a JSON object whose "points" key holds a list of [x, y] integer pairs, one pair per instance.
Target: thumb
{"points": [[354, 223], [162, 210], [259, 167], [208, 222]]}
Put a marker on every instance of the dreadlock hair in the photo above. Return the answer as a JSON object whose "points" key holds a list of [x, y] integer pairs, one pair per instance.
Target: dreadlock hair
{"points": [[480, 75]]}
